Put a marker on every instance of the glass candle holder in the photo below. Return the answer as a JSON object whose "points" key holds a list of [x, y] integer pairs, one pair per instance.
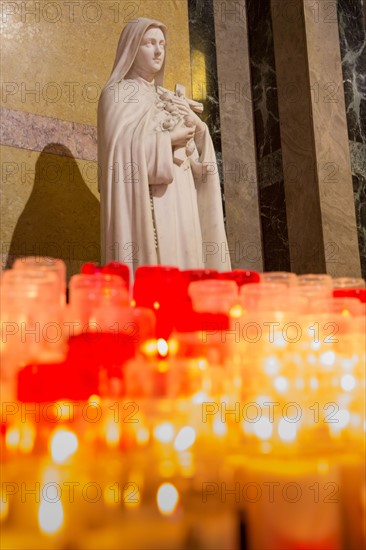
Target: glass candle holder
{"points": [[156, 285], [359, 293], [45, 264], [90, 268], [349, 287], [215, 296], [282, 277], [315, 279], [88, 293], [31, 319], [254, 295], [199, 274], [340, 305], [117, 268], [348, 282], [315, 291], [160, 288], [241, 276]]}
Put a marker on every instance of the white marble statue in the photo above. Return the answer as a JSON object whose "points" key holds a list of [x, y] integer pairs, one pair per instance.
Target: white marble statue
{"points": [[158, 179]]}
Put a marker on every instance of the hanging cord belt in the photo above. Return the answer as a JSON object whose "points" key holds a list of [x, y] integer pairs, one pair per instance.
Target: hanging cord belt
{"points": [[154, 223]]}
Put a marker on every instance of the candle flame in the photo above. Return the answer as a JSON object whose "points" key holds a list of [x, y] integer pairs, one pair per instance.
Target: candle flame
{"points": [[340, 420], [94, 399], [263, 428], [346, 312], [348, 382], [186, 463], [4, 507], [63, 410], [327, 359], [27, 438], [112, 434], [236, 311], [162, 347], [12, 438], [112, 495], [173, 346], [271, 365], [202, 363], [219, 427], [287, 430], [185, 438], [50, 516], [64, 444], [167, 498], [142, 436], [164, 432], [149, 347], [200, 397], [281, 384]]}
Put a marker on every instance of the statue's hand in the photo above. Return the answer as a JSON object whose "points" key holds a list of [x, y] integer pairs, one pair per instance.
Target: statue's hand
{"points": [[180, 135], [184, 109], [182, 105]]}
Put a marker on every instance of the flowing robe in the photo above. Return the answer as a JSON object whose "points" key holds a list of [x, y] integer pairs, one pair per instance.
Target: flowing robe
{"points": [[137, 170]]}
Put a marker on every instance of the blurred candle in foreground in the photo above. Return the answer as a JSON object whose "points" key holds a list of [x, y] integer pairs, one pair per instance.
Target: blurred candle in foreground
{"points": [[214, 296], [282, 277], [48, 265]]}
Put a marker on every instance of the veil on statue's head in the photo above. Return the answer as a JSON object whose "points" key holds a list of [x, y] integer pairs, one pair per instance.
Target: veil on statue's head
{"points": [[128, 46]]}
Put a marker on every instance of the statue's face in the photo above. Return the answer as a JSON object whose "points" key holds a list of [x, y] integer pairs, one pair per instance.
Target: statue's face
{"points": [[151, 53]]}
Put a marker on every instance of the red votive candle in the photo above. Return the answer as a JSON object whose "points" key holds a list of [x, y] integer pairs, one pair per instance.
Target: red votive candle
{"points": [[240, 276], [90, 268], [52, 382], [359, 293], [188, 320], [117, 268], [107, 349], [156, 283], [191, 275], [159, 288]]}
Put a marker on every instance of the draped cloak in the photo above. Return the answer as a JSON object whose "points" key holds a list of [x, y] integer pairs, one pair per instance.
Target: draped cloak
{"points": [[154, 210]]}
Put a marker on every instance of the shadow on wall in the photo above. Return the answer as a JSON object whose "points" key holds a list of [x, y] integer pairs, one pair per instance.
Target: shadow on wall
{"points": [[62, 216]]}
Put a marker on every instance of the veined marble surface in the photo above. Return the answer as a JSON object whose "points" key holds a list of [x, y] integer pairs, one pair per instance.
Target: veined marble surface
{"points": [[204, 73], [205, 86], [35, 132], [268, 136], [352, 32], [237, 134]]}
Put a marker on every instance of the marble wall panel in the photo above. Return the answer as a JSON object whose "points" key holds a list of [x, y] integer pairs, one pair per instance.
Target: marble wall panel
{"points": [[267, 135], [35, 132], [237, 135], [297, 147], [317, 173], [333, 164], [205, 85], [352, 32]]}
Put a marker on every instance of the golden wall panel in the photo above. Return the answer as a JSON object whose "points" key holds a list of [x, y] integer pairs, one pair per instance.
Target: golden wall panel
{"points": [[57, 56], [49, 207]]}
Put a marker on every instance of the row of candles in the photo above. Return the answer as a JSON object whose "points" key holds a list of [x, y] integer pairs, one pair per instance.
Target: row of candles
{"points": [[211, 400]]}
